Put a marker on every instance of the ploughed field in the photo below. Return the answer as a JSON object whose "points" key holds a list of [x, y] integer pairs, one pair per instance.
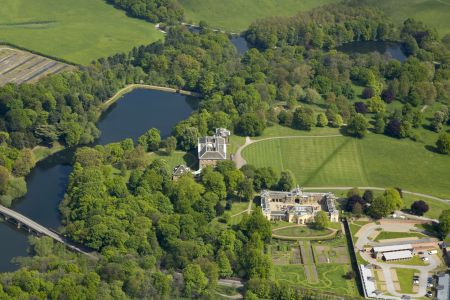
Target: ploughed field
{"points": [[18, 66], [237, 15], [78, 31], [376, 160]]}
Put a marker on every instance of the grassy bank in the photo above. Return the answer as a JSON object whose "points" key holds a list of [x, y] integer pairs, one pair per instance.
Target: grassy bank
{"points": [[78, 31]]}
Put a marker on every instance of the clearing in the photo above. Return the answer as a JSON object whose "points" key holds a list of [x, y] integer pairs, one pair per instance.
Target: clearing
{"points": [[237, 15], [77, 31]]}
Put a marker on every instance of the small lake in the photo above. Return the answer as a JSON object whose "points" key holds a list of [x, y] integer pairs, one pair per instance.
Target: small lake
{"points": [[129, 117], [391, 49]]}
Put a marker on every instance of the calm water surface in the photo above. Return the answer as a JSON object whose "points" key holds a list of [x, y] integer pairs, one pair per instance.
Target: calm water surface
{"points": [[391, 49], [129, 117]]}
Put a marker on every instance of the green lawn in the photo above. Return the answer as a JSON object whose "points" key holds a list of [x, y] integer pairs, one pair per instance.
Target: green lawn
{"points": [[237, 15], [176, 158], [386, 235], [302, 231], [405, 277], [78, 31], [434, 13], [376, 160]]}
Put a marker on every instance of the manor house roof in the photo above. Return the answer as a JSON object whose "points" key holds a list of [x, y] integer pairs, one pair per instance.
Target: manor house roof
{"points": [[212, 147]]}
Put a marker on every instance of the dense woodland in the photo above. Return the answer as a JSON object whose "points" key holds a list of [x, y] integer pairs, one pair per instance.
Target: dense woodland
{"points": [[160, 238], [155, 11]]}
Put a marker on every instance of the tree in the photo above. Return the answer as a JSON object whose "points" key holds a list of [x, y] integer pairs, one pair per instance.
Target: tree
{"points": [[357, 126], [380, 125], [385, 204], [357, 209], [151, 140], [443, 143], [265, 178], [367, 93], [224, 265], [195, 281], [4, 178], [24, 163], [321, 220], [171, 144], [419, 207], [303, 118], [286, 181], [368, 196], [311, 96], [213, 181], [444, 223], [322, 120], [250, 125]]}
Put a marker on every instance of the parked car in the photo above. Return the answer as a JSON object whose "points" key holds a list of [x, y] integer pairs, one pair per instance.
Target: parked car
{"points": [[429, 294], [425, 258], [432, 252]]}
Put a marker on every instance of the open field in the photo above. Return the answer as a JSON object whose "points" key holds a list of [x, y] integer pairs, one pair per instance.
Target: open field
{"points": [[237, 15], [376, 160], [78, 31], [18, 66], [434, 13]]}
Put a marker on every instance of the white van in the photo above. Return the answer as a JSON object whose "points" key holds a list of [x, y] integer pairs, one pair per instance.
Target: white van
{"points": [[432, 252]]}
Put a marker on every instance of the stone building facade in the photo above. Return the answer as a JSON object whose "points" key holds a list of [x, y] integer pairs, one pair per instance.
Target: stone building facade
{"points": [[297, 206]]}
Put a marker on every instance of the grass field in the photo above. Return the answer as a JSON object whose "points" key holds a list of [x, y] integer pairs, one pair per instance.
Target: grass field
{"points": [[237, 15], [434, 13], [386, 235], [405, 277], [78, 31], [376, 160]]}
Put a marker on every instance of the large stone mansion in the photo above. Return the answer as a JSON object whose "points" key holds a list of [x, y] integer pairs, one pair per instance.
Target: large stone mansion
{"points": [[297, 206]]}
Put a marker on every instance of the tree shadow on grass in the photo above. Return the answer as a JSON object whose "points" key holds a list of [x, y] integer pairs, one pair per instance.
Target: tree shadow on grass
{"points": [[431, 149]]}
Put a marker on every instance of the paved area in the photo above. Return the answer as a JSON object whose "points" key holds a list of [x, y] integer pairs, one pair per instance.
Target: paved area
{"points": [[17, 66], [363, 239]]}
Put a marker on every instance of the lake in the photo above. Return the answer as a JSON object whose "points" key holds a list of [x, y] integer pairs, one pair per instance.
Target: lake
{"points": [[129, 117], [391, 49]]}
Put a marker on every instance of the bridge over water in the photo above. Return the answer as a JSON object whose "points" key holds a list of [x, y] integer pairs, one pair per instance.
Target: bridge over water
{"points": [[34, 227]]}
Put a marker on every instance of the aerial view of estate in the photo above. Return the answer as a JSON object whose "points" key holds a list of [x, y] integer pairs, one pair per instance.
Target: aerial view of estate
{"points": [[234, 149]]}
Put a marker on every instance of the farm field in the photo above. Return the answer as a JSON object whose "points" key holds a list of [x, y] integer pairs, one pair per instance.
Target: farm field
{"points": [[24, 67], [77, 31], [434, 13], [376, 160], [237, 15]]}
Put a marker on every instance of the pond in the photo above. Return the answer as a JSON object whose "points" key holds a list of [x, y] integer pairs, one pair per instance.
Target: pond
{"points": [[391, 49], [129, 117]]}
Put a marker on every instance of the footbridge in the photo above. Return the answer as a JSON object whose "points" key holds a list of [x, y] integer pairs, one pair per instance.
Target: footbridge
{"points": [[33, 227]]}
